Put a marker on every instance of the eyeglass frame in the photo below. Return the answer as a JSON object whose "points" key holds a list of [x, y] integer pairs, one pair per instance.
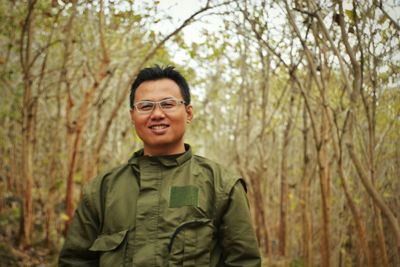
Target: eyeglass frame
{"points": [[178, 101]]}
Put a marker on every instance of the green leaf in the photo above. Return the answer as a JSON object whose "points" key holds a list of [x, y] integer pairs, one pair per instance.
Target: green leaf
{"points": [[350, 14], [136, 18], [152, 35], [64, 217], [382, 19], [78, 178]]}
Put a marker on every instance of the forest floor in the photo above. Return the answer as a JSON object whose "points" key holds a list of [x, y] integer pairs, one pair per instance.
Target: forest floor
{"points": [[38, 255]]}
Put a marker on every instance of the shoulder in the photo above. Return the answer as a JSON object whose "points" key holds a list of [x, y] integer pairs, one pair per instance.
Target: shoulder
{"points": [[105, 179], [95, 191], [223, 177], [211, 165]]}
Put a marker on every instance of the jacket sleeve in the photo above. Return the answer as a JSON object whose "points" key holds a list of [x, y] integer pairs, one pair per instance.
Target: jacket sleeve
{"points": [[239, 242], [81, 234]]}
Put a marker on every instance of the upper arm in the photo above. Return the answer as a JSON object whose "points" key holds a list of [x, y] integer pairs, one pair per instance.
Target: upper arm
{"points": [[239, 241], [81, 234]]}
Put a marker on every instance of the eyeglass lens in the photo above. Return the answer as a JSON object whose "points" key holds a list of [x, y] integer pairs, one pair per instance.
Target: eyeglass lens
{"points": [[148, 106]]}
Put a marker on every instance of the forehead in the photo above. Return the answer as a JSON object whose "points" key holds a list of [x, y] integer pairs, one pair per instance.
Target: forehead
{"points": [[157, 89]]}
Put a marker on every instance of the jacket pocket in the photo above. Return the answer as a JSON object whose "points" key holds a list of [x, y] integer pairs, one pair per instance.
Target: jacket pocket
{"points": [[111, 247], [190, 244]]}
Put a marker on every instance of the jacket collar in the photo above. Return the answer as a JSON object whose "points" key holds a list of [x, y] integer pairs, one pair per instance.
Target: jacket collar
{"points": [[167, 161]]}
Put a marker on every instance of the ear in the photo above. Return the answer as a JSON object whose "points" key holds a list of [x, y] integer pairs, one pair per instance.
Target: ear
{"points": [[189, 112], [132, 114]]}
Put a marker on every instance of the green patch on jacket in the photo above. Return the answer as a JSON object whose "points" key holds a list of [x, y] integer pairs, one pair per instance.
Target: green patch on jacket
{"points": [[184, 196]]}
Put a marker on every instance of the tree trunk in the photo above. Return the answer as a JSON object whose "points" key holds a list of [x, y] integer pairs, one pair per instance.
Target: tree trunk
{"points": [[82, 118], [258, 202], [284, 181], [75, 145], [305, 197], [365, 180], [360, 226], [377, 198], [29, 110], [325, 200]]}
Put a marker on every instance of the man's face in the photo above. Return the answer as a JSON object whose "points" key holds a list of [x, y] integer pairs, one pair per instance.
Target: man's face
{"points": [[161, 130]]}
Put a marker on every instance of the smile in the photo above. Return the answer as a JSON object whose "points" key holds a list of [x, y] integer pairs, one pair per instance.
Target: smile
{"points": [[158, 126]]}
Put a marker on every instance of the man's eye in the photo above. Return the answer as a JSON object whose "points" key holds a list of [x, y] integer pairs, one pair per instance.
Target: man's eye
{"points": [[145, 106], [168, 104]]}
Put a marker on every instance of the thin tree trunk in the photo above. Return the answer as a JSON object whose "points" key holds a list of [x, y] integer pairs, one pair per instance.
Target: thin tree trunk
{"points": [[284, 181], [84, 112], [77, 141], [356, 89], [29, 110], [50, 216], [377, 198], [370, 112], [363, 241], [380, 234], [360, 225], [325, 200], [261, 225], [305, 198]]}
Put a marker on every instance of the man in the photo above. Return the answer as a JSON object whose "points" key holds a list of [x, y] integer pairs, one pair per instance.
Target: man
{"points": [[165, 206]]}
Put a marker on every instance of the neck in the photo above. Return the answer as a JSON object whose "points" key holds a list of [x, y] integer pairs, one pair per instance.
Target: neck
{"points": [[163, 151]]}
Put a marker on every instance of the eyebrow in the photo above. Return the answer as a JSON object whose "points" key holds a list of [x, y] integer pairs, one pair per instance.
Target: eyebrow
{"points": [[151, 100]]}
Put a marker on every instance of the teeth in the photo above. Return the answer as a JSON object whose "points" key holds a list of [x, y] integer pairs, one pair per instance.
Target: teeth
{"points": [[156, 127]]}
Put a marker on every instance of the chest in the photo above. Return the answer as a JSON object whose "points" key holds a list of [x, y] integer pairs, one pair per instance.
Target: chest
{"points": [[157, 196], [164, 215]]}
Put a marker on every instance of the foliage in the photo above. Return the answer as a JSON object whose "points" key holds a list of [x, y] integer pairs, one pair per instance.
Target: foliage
{"points": [[273, 97]]}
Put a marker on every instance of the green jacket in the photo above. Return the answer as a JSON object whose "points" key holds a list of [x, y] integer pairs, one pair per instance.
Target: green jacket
{"points": [[162, 211]]}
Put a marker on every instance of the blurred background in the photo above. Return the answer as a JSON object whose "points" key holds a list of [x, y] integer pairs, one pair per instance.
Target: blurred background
{"points": [[302, 98]]}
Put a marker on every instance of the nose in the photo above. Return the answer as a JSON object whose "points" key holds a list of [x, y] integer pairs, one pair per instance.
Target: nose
{"points": [[157, 112]]}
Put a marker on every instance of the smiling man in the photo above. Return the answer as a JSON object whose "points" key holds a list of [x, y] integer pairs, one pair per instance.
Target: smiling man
{"points": [[165, 206], [160, 115]]}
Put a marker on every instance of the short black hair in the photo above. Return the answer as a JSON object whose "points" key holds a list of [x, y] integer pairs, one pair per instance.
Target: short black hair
{"points": [[158, 73]]}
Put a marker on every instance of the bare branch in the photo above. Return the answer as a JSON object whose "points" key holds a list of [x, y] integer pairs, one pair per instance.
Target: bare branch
{"points": [[379, 4]]}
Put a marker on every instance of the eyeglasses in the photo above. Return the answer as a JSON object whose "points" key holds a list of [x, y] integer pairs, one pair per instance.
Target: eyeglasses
{"points": [[166, 105]]}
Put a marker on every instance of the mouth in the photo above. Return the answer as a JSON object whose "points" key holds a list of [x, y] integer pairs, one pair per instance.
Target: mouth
{"points": [[159, 126]]}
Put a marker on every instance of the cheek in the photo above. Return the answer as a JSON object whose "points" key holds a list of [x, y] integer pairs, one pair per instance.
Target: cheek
{"points": [[180, 122], [139, 123], [182, 128]]}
